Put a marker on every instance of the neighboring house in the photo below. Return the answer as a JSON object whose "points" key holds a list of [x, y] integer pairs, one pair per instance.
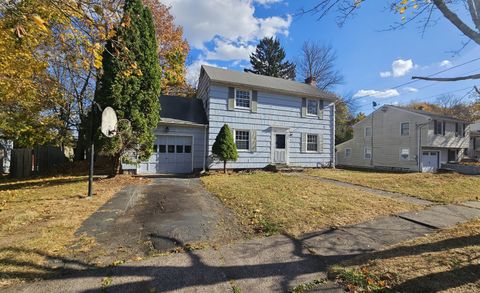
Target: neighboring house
{"points": [[474, 150], [400, 136], [6, 147], [273, 120]]}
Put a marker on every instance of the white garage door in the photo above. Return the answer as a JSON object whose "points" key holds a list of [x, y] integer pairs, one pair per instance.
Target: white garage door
{"points": [[172, 154], [429, 161]]}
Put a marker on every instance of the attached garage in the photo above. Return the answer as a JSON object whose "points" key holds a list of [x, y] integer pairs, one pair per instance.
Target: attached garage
{"points": [[179, 146]]}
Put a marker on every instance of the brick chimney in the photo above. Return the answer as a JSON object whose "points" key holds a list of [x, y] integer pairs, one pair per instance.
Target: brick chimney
{"points": [[311, 81]]}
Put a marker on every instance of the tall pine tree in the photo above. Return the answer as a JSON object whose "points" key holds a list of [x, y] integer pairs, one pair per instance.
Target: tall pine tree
{"points": [[268, 59], [130, 84]]}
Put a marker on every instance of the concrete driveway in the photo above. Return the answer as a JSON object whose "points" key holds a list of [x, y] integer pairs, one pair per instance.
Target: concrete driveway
{"points": [[160, 216]]}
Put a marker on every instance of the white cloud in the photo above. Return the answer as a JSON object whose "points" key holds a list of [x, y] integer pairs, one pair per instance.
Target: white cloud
{"points": [[400, 67], [445, 63], [377, 94], [410, 89], [385, 74], [225, 50], [267, 2], [232, 20]]}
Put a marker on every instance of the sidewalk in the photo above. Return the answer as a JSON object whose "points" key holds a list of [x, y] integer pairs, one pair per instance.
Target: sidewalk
{"points": [[273, 264]]}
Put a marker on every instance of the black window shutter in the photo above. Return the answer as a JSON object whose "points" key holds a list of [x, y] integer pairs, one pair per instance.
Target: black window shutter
{"points": [[443, 128]]}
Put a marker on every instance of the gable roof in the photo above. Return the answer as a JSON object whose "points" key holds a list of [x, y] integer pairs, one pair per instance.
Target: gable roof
{"points": [[182, 110], [429, 114], [276, 84]]}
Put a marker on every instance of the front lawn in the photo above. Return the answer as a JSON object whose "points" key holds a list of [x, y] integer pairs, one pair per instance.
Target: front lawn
{"points": [[38, 219], [444, 188], [273, 202], [446, 261]]}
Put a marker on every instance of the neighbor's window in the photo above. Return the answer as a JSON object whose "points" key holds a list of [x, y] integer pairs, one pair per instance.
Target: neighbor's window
{"points": [[464, 130], [438, 127], [368, 131], [188, 149], [171, 148], [312, 142], [404, 154], [457, 129], [368, 153], [348, 153], [242, 139], [179, 149], [405, 129], [312, 107], [242, 98], [162, 148]]}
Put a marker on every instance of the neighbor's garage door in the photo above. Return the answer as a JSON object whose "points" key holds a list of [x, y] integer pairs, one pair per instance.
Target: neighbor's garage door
{"points": [[172, 154], [429, 161]]}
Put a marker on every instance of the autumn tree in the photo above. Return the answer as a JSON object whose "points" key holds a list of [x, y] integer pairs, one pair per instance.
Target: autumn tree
{"points": [[172, 49], [451, 106], [318, 61], [224, 147], [269, 59], [463, 14], [130, 83]]}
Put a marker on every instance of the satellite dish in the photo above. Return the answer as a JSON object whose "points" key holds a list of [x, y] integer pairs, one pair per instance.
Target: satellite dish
{"points": [[109, 122]]}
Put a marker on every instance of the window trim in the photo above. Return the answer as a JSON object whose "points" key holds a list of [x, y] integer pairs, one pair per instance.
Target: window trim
{"points": [[248, 140], [235, 98], [345, 154], [401, 128], [365, 131], [316, 149], [365, 153], [316, 107], [400, 154]]}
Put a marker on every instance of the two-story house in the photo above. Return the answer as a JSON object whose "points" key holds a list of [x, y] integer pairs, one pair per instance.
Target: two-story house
{"points": [[402, 139], [474, 151], [273, 120]]}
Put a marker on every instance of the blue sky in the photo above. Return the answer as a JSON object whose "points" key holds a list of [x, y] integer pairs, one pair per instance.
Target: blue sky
{"points": [[373, 61]]}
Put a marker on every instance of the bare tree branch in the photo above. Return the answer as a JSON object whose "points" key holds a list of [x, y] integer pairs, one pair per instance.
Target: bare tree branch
{"points": [[456, 21]]}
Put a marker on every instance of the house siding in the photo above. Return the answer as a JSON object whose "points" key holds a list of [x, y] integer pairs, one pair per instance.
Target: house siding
{"points": [[273, 110]]}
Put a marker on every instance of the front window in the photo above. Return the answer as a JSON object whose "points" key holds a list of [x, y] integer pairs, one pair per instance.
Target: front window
{"points": [[405, 129], [312, 142], [368, 131], [312, 107], [242, 139], [368, 153], [348, 153], [242, 98], [404, 154], [438, 127]]}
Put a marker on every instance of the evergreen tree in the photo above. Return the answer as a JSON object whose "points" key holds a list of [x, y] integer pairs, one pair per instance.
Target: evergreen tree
{"points": [[224, 147], [268, 59], [130, 84]]}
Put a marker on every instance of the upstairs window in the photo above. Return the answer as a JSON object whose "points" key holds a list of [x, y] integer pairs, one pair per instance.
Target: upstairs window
{"points": [[405, 129], [242, 99], [439, 127], [464, 130], [368, 131], [312, 107], [242, 139]]}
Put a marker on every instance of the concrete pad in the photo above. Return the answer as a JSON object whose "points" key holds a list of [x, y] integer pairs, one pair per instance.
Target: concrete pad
{"points": [[340, 243], [443, 216], [273, 264], [472, 204], [388, 230]]}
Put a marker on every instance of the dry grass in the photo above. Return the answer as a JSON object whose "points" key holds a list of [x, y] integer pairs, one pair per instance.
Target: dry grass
{"points": [[38, 219], [446, 261], [444, 188], [268, 202]]}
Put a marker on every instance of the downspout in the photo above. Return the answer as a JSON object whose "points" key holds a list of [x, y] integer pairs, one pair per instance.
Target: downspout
{"points": [[205, 127], [333, 137], [418, 128]]}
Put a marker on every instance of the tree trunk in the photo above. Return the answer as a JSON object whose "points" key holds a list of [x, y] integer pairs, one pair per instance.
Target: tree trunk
{"points": [[224, 167], [115, 166]]}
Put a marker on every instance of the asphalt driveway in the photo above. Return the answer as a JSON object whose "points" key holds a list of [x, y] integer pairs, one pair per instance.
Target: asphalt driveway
{"points": [[158, 217]]}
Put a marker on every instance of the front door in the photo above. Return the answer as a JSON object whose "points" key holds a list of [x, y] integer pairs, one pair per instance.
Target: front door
{"points": [[280, 148], [429, 162]]}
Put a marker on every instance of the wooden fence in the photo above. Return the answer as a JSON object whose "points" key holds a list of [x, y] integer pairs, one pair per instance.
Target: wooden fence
{"points": [[40, 160]]}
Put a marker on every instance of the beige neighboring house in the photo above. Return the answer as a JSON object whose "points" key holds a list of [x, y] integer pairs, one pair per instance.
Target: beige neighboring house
{"points": [[393, 138], [474, 151]]}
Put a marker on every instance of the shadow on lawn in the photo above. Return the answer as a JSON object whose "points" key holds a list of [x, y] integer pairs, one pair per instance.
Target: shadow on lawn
{"points": [[21, 184], [144, 278]]}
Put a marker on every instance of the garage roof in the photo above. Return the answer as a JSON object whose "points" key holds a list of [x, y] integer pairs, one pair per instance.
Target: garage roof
{"points": [[182, 110], [274, 84]]}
